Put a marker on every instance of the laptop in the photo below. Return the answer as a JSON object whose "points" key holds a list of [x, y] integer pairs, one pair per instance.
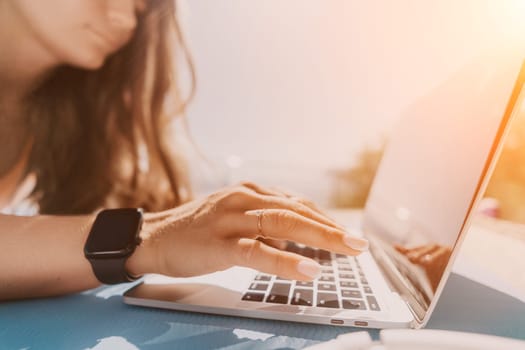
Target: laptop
{"points": [[434, 170]]}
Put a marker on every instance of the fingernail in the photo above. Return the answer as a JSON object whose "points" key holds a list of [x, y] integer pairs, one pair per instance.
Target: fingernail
{"points": [[309, 268], [356, 243]]}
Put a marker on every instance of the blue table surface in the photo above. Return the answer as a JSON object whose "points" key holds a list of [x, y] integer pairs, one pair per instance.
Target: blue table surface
{"points": [[98, 319]]}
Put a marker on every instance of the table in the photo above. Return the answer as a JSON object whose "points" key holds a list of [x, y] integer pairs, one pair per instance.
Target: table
{"points": [[98, 319]]}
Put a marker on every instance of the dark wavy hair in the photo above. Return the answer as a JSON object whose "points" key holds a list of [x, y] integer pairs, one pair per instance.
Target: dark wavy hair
{"points": [[105, 138]]}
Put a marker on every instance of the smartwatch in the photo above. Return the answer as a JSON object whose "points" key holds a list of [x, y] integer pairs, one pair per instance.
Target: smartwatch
{"points": [[112, 239]]}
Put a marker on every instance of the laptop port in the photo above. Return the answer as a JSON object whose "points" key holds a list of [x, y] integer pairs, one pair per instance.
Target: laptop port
{"points": [[361, 323], [335, 321]]}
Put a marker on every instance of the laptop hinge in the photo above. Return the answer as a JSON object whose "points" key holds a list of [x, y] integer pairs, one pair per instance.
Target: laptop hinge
{"points": [[397, 282]]}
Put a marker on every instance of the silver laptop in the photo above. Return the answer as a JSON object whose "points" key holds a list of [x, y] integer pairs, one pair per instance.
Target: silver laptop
{"points": [[434, 170]]}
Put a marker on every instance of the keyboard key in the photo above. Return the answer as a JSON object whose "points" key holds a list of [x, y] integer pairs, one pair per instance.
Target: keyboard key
{"points": [[304, 284], [294, 248], [327, 300], [348, 284], [309, 252], [277, 299], [259, 286], [325, 263], [327, 278], [279, 293], [282, 279], [263, 278], [364, 280], [302, 297], [326, 286], [327, 270], [351, 293], [347, 276], [253, 296], [339, 256], [354, 304], [345, 268], [372, 303], [324, 254], [367, 289]]}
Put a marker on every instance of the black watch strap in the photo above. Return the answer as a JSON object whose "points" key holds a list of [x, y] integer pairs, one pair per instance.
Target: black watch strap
{"points": [[111, 271]]}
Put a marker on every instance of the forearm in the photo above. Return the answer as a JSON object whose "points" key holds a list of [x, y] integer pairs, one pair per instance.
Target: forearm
{"points": [[43, 256]]}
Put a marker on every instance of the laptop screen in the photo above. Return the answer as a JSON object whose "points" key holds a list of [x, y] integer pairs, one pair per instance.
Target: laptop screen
{"points": [[433, 171]]}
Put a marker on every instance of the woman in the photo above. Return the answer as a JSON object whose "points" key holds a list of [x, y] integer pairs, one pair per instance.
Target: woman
{"points": [[84, 124]]}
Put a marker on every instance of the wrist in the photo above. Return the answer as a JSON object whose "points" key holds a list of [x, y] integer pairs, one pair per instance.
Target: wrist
{"points": [[144, 258]]}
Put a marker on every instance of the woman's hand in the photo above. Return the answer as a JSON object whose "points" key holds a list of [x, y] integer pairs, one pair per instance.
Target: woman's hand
{"points": [[225, 228]]}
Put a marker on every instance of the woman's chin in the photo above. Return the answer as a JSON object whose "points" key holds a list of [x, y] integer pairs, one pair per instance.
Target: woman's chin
{"points": [[94, 64], [88, 61]]}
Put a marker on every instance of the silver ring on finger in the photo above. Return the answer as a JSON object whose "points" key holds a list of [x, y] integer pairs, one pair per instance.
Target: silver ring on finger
{"points": [[260, 214]]}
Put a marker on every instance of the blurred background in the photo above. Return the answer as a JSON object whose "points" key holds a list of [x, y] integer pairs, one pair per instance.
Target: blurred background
{"points": [[302, 94]]}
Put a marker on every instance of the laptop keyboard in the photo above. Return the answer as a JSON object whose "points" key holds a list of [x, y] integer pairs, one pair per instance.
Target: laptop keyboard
{"points": [[342, 284]]}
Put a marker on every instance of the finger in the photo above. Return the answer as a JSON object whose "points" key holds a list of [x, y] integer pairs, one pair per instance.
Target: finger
{"points": [[289, 225], [262, 190], [257, 255], [272, 202], [305, 201], [417, 253], [276, 243], [401, 249], [436, 257], [277, 192]]}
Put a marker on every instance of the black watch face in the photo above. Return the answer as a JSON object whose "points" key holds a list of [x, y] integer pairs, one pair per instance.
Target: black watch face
{"points": [[114, 231]]}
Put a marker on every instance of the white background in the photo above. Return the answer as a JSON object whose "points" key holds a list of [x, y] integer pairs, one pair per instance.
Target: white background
{"points": [[305, 84]]}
